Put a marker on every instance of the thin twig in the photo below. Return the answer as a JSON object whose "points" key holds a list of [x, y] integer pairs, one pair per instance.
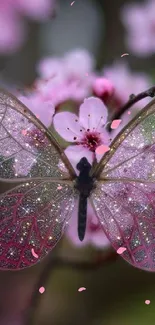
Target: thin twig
{"points": [[62, 263], [133, 100]]}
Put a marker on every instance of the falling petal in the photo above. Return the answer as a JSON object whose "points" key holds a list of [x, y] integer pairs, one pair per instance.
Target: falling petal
{"points": [[24, 132], [125, 54], [41, 290], [115, 124], [59, 187], [72, 3], [147, 302], [102, 149], [121, 250], [81, 289]]}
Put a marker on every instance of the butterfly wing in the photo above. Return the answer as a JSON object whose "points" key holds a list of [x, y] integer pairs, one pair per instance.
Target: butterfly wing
{"points": [[34, 214], [124, 199], [27, 148]]}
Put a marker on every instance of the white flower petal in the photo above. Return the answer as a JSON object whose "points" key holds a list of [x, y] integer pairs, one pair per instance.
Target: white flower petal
{"points": [[67, 125], [93, 113]]}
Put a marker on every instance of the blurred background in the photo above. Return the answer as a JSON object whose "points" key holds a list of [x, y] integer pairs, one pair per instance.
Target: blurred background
{"points": [[115, 41]]}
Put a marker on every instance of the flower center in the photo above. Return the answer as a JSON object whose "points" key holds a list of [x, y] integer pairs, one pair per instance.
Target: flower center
{"points": [[91, 140]]}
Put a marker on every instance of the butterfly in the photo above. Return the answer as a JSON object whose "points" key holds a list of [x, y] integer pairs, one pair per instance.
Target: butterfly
{"points": [[35, 212]]}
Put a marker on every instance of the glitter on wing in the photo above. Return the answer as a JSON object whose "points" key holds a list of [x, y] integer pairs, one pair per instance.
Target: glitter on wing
{"points": [[125, 195], [25, 149], [32, 216], [126, 211], [133, 151]]}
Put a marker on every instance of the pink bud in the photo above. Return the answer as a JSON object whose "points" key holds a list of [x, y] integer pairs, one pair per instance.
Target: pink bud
{"points": [[103, 86]]}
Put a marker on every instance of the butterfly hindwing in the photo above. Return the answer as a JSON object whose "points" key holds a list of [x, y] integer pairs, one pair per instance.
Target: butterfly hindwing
{"points": [[124, 199], [33, 216]]}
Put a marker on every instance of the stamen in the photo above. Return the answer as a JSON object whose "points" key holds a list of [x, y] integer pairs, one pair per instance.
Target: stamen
{"points": [[88, 121], [99, 122]]}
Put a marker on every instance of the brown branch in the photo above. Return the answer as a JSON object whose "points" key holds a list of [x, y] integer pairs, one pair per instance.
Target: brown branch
{"points": [[133, 100]]}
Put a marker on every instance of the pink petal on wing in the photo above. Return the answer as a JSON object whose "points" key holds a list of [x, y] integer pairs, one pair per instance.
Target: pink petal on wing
{"points": [[33, 253], [115, 124], [121, 250], [102, 149], [81, 289], [24, 132], [59, 187]]}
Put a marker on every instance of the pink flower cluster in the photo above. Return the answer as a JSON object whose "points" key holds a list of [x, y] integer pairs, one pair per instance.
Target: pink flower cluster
{"points": [[72, 78], [66, 78], [139, 20], [12, 24]]}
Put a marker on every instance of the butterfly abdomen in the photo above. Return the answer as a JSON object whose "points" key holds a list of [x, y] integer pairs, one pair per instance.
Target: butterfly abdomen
{"points": [[82, 215], [84, 184]]}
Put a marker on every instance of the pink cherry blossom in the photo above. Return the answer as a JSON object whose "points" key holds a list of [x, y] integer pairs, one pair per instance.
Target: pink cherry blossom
{"points": [[12, 30], [125, 83], [87, 131], [44, 110], [139, 20], [12, 24], [94, 232], [67, 78], [103, 87], [36, 9]]}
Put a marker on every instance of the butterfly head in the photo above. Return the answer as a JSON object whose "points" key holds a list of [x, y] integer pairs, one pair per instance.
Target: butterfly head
{"points": [[83, 164]]}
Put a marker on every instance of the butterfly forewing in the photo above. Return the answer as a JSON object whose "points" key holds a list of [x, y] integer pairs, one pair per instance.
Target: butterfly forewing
{"points": [[34, 214], [27, 148], [124, 198]]}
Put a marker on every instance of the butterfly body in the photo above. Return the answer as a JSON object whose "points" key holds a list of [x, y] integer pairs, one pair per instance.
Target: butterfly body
{"points": [[84, 184]]}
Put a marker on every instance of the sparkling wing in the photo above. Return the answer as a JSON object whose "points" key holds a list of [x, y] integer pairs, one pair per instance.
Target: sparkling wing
{"points": [[132, 153], [126, 211], [124, 199], [27, 148], [33, 216]]}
